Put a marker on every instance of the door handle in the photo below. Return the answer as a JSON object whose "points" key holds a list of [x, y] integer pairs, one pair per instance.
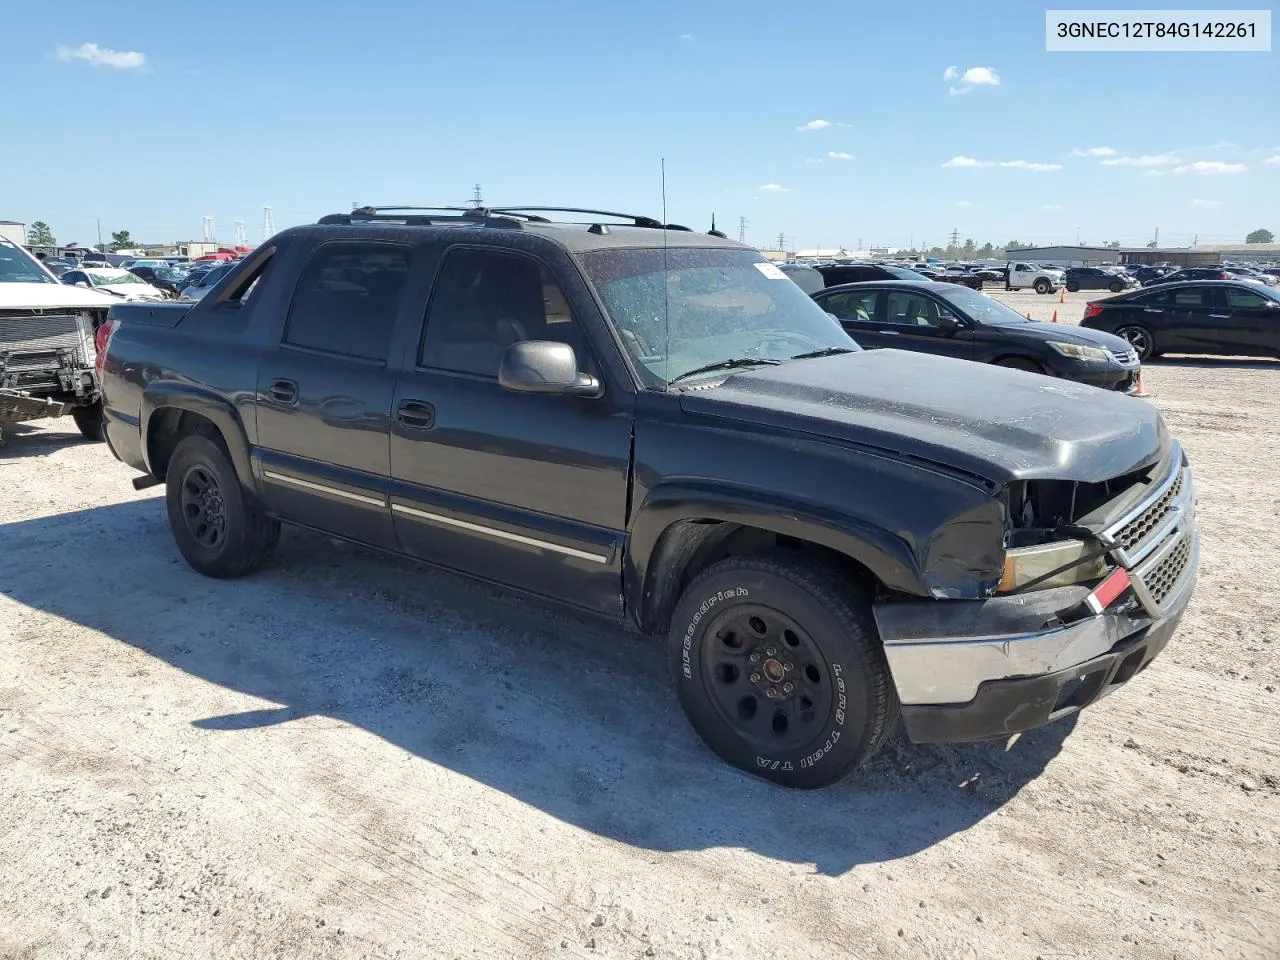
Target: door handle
{"points": [[1220, 316], [1152, 310], [890, 333], [416, 413], [283, 391]]}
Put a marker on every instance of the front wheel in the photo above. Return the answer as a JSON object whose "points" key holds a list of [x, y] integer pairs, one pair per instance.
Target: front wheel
{"points": [[89, 421], [1140, 339], [779, 669], [1073, 287], [1116, 287], [1042, 286], [1020, 363]]}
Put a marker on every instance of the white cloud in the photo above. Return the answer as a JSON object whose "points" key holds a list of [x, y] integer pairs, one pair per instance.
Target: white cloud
{"points": [[981, 76], [773, 188], [950, 73], [965, 203], [1147, 160], [102, 57], [1052, 207], [1093, 152], [1273, 161], [1210, 167], [815, 125], [839, 155], [963, 161], [959, 91], [1030, 165], [1209, 204], [686, 36]]}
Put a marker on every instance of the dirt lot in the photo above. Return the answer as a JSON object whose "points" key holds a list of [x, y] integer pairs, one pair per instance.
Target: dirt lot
{"points": [[346, 757]]}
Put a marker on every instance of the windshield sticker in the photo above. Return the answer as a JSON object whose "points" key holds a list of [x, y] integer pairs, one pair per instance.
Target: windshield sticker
{"points": [[770, 271]]}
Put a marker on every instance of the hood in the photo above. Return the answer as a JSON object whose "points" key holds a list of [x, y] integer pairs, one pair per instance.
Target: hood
{"points": [[44, 296], [991, 422], [134, 291], [1065, 333]]}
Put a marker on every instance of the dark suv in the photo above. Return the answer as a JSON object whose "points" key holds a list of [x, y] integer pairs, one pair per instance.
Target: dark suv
{"points": [[658, 427], [1098, 278]]}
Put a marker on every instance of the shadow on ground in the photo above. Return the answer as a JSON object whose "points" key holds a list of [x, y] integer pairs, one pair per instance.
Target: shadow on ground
{"points": [[1211, 363], [34, 439], [570, 715]]}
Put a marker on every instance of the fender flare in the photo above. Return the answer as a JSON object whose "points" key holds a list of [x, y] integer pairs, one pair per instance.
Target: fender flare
{"points": [[172, 395], [661, 541]]}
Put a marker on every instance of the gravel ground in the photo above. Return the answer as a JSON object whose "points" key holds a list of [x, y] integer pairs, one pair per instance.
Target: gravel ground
{"points": [[345, 756]]}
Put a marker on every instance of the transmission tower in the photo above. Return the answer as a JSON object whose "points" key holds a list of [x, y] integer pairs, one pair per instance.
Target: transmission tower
{"points": [[268, 222], [782, 242], [955, 237], [475, 197], [206, 228], [241, 240], [743, 223]]}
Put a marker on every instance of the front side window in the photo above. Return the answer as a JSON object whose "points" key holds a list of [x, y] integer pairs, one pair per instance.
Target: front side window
{"points": [[347, 298], [486, 300], [16, 266], [1244, 299], [682, 309], [911, 309]]}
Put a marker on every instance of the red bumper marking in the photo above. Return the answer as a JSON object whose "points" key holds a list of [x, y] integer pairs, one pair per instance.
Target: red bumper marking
{"points": [[1108, 591]]}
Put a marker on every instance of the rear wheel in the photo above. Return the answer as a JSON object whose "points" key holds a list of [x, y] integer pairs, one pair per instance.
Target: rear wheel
{"points": [[220, 531], [1140, 338], [1042, 286], [1115, 287], [89, 421], [1020, 363], [779, 669], [1073, 287]]}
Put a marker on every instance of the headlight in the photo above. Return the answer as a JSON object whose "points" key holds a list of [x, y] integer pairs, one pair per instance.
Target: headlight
{"points": [[1072, 559], [1080, 352]]}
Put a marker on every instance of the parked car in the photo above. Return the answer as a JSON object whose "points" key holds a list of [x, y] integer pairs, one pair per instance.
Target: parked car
{"points": [[55, 266], [942, 319], [806, 278], [1234, 317], [47, 349], [1023, 276], [1146, 275], [659, 427], [1098, 278], [113, 280], [1249, 273], [201, 282], [1193, 273], [167, 279], [858, 272]]}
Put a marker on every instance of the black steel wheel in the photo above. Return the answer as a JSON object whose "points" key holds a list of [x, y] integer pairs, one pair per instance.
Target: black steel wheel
{"points": [[1116, 286], [89, 421], [220, 530], [1140, 338], [779, 669], [1073, 287]]}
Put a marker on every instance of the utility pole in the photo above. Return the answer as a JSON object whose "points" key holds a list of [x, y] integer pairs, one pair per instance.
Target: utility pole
{"points": [[1077, 236], [742, 229], [1157, 239], [100, 235]]}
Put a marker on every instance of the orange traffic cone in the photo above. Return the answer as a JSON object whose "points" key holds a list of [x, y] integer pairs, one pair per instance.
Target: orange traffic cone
{"points": [[1139, 391], [1054, 319], [1062, 295], [1028, 314]]}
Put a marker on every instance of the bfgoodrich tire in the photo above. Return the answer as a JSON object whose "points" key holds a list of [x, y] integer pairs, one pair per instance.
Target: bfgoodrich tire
{"points": [[779, 669], [218, 529]]}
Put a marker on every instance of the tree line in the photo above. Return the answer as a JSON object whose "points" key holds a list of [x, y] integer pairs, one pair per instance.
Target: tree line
{"points": [[40, 235]]}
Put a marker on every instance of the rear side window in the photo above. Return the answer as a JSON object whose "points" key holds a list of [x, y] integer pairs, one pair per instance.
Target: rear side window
{"points": [[857, 307], [1195, 297], [347, 298]]}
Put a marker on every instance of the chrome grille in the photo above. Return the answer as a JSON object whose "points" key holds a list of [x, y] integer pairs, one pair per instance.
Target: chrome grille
{"points": [[33, 331], [1135, 532], [1125, 357], [1161, 580]]}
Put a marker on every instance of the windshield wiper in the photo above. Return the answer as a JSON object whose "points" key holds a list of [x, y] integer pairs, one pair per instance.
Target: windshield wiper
{"points": [[824, 352], [731, 364]]}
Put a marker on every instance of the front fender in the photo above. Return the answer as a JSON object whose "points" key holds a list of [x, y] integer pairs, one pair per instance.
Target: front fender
{"points": [[661, 541], [173, 395]]}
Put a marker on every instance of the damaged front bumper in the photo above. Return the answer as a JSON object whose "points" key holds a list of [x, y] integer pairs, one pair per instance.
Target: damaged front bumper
{"points": [[972, 669]]}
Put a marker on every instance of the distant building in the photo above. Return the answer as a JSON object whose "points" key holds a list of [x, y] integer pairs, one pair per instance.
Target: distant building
{"points": [[14, 231], [1066, 256]]}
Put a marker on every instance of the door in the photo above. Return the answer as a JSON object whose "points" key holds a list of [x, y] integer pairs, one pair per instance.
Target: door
{"points": [[857, 312], [913, 320], [1193, 316], [1020, 276], [525, 490], [324, 392], [1249, 321]]}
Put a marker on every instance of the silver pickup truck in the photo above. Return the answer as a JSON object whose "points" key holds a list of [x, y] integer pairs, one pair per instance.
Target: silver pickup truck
{"points": [[47, 350]]}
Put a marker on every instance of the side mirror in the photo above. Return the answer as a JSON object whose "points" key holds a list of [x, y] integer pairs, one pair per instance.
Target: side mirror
{"points": [[81, 283], [546, 367], [949, 324]]}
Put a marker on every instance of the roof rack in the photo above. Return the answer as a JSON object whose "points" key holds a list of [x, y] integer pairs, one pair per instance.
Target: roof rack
{"points": [[509, 217]]}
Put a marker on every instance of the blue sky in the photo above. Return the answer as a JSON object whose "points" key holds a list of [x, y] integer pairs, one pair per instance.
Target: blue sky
{"points": [[311, 106]]}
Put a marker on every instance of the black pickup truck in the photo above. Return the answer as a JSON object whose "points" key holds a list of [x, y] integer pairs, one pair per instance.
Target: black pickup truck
{"points": [[655, 425]]}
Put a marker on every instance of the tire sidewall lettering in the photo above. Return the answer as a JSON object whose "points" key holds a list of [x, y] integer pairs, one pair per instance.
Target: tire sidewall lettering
{"points": [[833, 737], [686, 653]]}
